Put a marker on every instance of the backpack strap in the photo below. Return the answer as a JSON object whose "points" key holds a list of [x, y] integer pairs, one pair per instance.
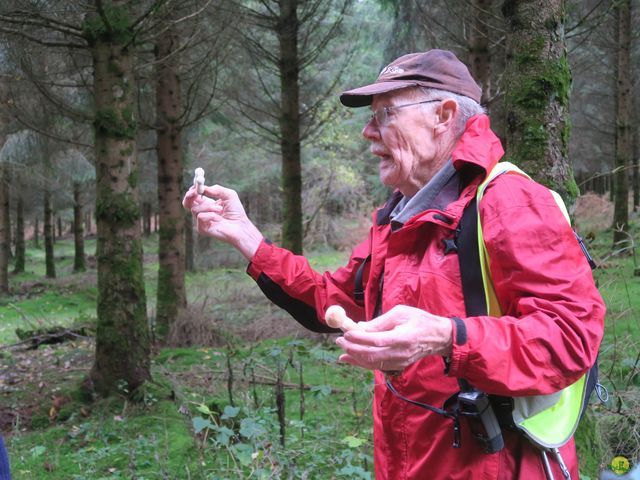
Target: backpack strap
{"points": [[466, 240], [358, 288]]}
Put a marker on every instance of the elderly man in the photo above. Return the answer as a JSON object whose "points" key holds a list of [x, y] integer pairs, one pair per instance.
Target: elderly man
{"points": [[403, 283]]}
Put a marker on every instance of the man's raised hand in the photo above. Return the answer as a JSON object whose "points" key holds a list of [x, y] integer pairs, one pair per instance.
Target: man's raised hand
{"points": [[219, 213]]}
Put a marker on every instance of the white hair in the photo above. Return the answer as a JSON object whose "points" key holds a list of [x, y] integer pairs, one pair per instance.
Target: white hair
{"points": [[467, 107]]}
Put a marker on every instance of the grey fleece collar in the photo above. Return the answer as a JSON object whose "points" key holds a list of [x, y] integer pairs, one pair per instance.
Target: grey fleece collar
{"points": [[436, 194]]}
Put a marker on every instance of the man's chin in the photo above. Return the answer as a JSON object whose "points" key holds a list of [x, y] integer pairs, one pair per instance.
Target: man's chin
{"points": [[387, 180]]}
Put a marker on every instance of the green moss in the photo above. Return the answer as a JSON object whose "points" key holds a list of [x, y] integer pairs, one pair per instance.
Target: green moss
{"points": [[546, 81], [117, 208], [126, 152], [114, 67], [132, 179], [530, 53], [128, 114], [122, 329], [566, 137], [121, 125], [39, 422], [533, 143], [116, 28], [168, 231], [571, 187], [125, 263]]}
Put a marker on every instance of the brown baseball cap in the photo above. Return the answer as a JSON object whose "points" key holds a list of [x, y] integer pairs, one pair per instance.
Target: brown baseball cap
{"points": [[434, 69]]}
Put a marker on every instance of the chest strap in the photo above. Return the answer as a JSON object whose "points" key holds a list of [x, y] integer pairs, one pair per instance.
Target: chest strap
{"points": [[358, 291]]}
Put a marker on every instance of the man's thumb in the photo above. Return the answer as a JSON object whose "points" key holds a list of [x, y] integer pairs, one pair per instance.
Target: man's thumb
{"points": [[383, 323]]}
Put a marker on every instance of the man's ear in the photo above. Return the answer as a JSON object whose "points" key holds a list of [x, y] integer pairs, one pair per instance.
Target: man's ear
{"points": [[446, 115]]}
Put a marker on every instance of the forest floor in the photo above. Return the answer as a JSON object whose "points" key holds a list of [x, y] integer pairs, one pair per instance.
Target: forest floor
{"points": [[224, 408]]}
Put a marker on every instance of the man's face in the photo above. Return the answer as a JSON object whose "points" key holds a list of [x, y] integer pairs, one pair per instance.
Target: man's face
{"points": [[405, 142]]}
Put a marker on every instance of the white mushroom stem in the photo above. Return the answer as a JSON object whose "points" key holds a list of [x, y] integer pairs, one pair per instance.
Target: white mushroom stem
{"points": [[336, 317], [198, 180]]}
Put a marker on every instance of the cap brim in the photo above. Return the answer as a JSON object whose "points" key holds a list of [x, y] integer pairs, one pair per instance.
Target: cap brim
{"points": [[363, 96]]}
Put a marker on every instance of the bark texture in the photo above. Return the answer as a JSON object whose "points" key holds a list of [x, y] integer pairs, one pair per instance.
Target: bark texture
{"points": [[289, 67], [624, 146], [50, 265], [146, 218], [171, 299], [4, 234], [537, 82], [189, 244], [18, 266], [636, 169], [36, 233], [6, 207], [122, 334], [88, 225], [78, 229]]}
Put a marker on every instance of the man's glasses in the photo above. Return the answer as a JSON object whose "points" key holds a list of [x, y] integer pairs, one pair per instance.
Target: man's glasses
{"points": [[381, 115]]}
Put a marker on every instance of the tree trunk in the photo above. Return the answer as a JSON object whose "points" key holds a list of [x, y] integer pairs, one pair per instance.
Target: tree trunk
{"points": [[146, 218], [611, 187], [36, 233], [4, 233], [122, 335], [479, 55], [18, 266], [6, 206], [624, 147], [87, 223], [636, 169], [48, 236], [290, 126], [189, 243], [171, 299], [78, 230], [405, 30], [537, 82], [59, 221]]}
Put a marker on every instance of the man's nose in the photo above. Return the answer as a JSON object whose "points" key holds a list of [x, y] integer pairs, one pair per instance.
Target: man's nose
{"points": [[371, 131]]}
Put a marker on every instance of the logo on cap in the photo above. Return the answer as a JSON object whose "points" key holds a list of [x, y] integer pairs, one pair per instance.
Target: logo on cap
{"points": [[391, 71]]}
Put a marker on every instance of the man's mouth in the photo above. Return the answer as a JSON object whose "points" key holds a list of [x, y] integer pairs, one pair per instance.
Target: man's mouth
{"points": [[380, 153]]}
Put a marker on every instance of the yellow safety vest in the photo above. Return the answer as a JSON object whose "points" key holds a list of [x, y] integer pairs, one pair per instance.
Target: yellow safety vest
{"points": [[548, 420]]}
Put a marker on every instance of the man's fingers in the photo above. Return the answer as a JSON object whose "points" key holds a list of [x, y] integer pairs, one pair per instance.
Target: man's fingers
{"points": [[207, 205], [344, 358], [219, 192], [189, 197], [369, 350], [373, 339], [383, 323], [207, 218]]}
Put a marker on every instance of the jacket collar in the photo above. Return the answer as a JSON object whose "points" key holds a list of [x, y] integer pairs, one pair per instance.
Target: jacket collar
{"points": [[478, 145]]}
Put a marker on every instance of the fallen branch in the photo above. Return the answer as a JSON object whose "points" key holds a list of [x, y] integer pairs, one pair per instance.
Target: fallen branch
{"points": [[48, 336]]}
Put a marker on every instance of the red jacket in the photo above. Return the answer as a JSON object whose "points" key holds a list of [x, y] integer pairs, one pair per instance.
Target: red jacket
{"points": [[547, 338]]}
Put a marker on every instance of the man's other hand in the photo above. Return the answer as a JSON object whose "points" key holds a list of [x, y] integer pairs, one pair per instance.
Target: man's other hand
{"points": [[396, 339]]}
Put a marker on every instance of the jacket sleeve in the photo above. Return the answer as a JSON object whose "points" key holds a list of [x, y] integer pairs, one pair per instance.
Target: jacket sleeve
{"points": [[290, 282], [553, 318]]}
